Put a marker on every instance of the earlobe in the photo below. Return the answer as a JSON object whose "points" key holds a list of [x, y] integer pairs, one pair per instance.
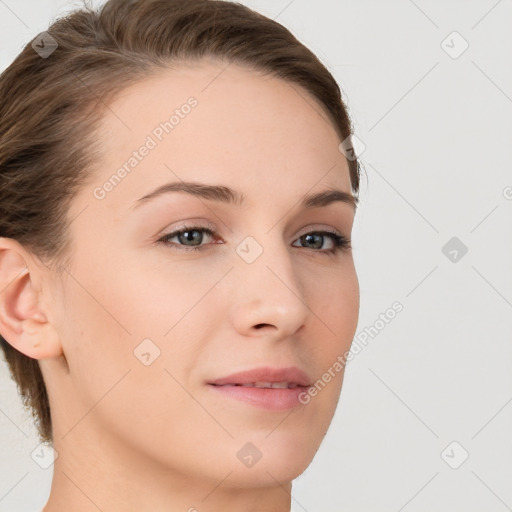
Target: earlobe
{"points": [[39, 340], [23, 323]]}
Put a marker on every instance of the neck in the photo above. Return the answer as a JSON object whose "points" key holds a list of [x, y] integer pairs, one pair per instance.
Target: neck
{"points": [[96, 472]]}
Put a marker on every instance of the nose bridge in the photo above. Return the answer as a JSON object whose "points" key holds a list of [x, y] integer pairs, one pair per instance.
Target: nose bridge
{"points": [[270, 290]]}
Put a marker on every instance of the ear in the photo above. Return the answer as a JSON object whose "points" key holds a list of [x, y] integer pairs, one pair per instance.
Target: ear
{"points": [[23, 320]]}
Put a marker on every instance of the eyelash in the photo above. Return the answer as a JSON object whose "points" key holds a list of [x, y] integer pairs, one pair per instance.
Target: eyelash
{"points": [[341, 243]]}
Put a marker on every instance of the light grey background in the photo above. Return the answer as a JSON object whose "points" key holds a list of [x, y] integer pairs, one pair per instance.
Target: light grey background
{"points": [[437, 135]]}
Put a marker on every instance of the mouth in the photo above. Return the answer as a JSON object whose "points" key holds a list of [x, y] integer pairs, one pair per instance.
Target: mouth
{"points": [[264, 385], [265, 388]]}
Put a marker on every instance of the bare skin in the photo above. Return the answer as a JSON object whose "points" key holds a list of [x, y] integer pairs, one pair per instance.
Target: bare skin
{"points": [[131, 436]]}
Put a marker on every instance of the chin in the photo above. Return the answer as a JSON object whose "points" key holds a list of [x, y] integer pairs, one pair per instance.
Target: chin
{"points": [[282, 458], [269, 474]]}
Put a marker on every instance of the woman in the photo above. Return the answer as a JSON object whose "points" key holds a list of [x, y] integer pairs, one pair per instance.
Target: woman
{"points": [[177, 196]]}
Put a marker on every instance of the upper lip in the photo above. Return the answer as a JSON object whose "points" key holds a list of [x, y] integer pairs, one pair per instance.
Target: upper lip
{"points": [[292, 375]]}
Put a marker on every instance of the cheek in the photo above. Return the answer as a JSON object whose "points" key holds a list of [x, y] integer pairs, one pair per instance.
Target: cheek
{"points": [[95, 338], [334, 302], [157, 298], [337, 309], [114, 315], [101, 327]]}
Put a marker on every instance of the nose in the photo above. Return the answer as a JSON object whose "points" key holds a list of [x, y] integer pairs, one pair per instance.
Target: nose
{"points": [[269, 300]]}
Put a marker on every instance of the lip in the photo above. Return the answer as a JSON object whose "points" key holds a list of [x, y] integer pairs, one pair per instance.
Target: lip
{"points": [[291, 374], [234, 386]]}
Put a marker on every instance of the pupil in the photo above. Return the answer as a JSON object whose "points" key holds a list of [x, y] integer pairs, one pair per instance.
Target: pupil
{"points": [[186, 235], [318, 239]]}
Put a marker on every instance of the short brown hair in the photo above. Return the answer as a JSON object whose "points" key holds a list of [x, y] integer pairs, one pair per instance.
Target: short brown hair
{"points": [[50, 107]]}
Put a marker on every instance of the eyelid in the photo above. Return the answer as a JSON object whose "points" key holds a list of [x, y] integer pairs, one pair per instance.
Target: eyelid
{"points": [[188, 224], [192, 224], [341, 242], [319, 227]]}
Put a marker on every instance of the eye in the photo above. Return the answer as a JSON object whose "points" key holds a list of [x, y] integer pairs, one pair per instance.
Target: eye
{"points": [[191, 238], [192, 234], [317, 238]]}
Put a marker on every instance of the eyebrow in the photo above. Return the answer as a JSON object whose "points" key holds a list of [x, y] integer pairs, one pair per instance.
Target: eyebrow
{"points": [[224, 194]]}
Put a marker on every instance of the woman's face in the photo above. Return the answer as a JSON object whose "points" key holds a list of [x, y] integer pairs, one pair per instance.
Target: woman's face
{"points": [[147, 326]]}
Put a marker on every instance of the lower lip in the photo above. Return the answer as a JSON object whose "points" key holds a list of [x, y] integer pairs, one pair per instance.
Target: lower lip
{"points": [[275, 399]]}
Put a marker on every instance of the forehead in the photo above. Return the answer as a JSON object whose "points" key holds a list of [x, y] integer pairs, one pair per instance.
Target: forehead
{"points": [[219, 121]]}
